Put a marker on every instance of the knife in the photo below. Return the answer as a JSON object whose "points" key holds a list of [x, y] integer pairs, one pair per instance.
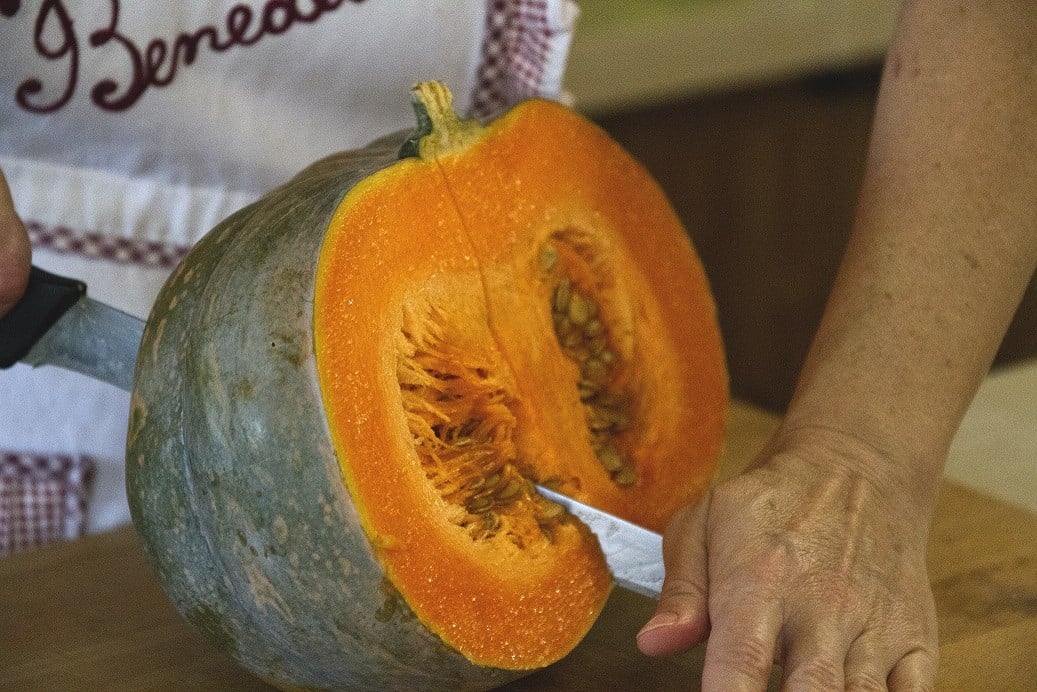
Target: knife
{"points": [[634, 554], [56, 323]]}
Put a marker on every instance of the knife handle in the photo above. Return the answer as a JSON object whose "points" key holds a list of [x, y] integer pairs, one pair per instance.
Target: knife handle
{"points": [[46, 299]]}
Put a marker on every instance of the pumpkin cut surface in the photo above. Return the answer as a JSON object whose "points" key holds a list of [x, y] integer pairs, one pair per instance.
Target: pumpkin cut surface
{"points": [[515, 304]]}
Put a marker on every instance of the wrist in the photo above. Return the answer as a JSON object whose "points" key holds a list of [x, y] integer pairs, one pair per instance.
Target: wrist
{"points": [[909, 482], [882, 410]]}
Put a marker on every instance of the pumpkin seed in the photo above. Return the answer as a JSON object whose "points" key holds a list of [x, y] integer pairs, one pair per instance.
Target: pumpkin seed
{"points": [[626, 476], [597, 424], [548, 258], [615, 400], [479, 504], [563, 294], [549, 510], [492, 481], [490, 521], [618, 419], [595, 371], [593, 328], [511, 489], [572, 340], [468, 427], [611, 459], [580, 309], [563, 327], [475, 484]]}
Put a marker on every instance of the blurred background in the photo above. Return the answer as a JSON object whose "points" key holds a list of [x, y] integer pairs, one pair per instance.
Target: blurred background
{"points": [[754, 117]]}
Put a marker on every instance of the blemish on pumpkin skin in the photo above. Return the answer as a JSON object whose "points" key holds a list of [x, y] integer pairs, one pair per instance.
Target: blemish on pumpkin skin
{"points": [[264, 595], [244, 389], [280, 530], [156, 341], [391, 598], [345, 567], [286, 346], [138, 418]]}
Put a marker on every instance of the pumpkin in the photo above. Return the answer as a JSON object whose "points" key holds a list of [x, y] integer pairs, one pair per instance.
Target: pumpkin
{"points": [[347, 390]]}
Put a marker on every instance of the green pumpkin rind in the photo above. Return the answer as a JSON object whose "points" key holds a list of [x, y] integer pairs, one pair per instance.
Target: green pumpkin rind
{"points": [[234, 487]]}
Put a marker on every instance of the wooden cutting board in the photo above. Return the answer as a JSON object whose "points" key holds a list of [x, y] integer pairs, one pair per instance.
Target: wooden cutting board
{"points": [[88, 614]]}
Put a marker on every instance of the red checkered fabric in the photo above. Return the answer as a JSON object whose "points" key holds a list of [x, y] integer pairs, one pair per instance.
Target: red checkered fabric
{"points": [[42, 499], [96, 246], [514, 55]]}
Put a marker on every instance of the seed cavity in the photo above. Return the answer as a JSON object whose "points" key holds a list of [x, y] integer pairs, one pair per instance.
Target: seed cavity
{"points": [[584, 340], [462, 426]]}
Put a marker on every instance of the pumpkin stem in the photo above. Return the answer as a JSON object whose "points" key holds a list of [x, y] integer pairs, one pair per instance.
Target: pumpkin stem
{"points": [[439, 131]]}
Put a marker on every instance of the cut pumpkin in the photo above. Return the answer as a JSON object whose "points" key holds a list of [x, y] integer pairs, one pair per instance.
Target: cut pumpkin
{"points": [[348, 391], [546, 321]]}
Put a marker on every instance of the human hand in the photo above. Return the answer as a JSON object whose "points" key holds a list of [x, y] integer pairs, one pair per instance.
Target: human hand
{"points": [[15, 252], [814, 559]]}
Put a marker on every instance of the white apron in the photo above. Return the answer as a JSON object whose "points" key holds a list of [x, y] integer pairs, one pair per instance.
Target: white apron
{"points": [[128, 129]]}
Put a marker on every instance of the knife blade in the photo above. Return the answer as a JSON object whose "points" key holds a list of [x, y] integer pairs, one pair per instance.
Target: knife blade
{"points": [[634, 554], [56, 323]]}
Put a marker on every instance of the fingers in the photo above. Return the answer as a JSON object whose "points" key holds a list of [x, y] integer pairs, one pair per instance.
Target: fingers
{"points": [[914, 672], [681, 619], [867, 664], [779, 569], [15, 252], [742, 644], [814, 660]]}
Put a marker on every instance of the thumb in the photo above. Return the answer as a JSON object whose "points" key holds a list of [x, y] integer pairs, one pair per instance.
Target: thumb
{"points": [[15, 252], [681, 619]]}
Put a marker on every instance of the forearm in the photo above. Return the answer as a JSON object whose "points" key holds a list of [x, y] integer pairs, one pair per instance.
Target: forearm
{"points": [[945, 238]]}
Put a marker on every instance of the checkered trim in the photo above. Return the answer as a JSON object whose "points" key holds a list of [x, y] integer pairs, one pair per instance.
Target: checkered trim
{"points": [[42, 499], [65, 240], [515, 51]]}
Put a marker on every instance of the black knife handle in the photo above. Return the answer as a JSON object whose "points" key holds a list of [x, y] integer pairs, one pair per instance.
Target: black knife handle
{"points": [[46, 298]]}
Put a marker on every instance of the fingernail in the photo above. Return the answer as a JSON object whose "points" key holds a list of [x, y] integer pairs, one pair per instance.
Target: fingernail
{"points": [[660, 620]]}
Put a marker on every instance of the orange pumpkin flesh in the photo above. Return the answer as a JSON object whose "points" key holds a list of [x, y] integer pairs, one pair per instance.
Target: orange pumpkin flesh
{"points": [[449, 388]]}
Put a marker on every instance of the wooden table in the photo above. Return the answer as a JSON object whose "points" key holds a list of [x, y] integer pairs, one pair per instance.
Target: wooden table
{"points": [[88, 615]]}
